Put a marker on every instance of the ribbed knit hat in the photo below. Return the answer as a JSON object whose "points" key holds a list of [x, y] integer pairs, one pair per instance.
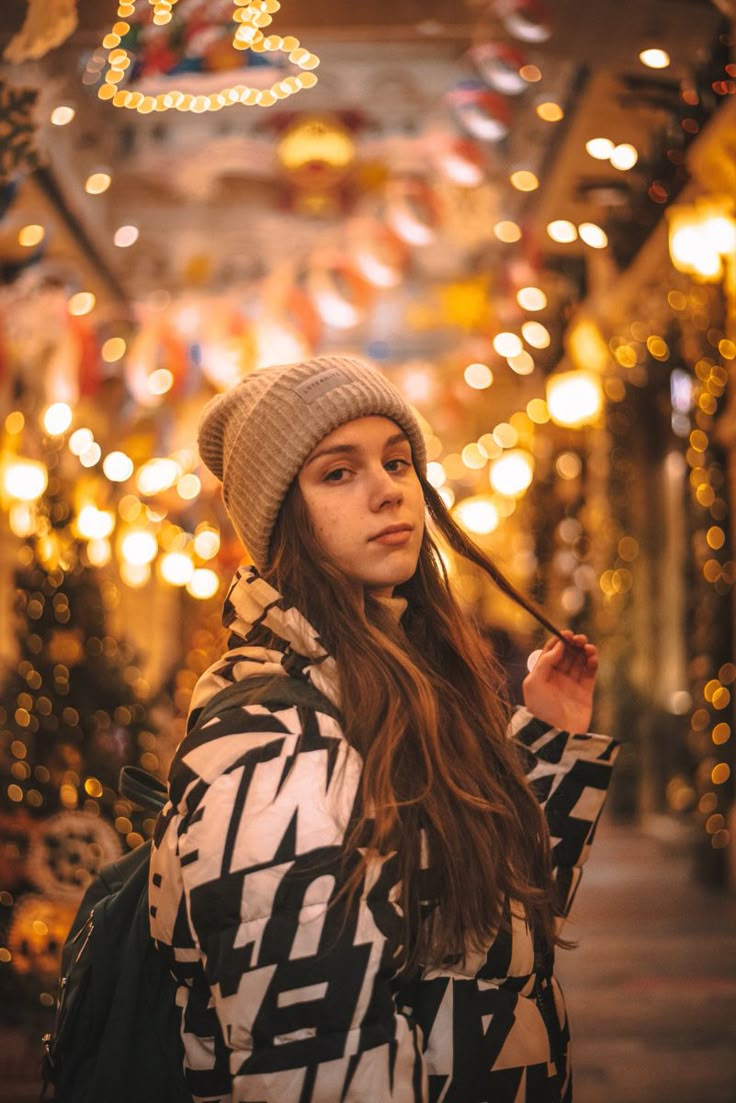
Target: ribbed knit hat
{"points": [[256, 437]]}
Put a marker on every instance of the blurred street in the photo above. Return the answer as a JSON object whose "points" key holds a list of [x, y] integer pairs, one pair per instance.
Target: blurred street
{"points": [[651, 989]]}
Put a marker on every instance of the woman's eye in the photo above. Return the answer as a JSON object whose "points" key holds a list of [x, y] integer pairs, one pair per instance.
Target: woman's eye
{"points": [[396, 465], [335, 476]]}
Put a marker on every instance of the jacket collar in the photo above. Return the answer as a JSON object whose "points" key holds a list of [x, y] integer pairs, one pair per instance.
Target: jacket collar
{"points": [[252, 604]]}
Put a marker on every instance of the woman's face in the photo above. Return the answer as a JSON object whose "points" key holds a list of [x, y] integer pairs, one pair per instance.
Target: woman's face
{"points": [[365, 501]]}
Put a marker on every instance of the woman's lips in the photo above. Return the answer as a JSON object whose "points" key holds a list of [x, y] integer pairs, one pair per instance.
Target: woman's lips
{"points": [[398, 536]]}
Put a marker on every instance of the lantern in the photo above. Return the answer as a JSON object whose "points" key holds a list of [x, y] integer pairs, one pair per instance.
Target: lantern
{"points": [[340, 295], [482, 113], [411, 210], [498, 63], [528, 20], [377, 253]]}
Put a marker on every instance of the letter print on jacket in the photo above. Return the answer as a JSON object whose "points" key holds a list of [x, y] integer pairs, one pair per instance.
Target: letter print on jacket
{"points": [[287, 1000]]}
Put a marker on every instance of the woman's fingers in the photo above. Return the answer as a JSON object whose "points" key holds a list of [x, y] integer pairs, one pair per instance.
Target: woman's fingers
{"points": [[572, 656], [585, 664]]}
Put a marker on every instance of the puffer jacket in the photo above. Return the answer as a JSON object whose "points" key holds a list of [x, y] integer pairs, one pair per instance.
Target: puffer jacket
{"points": [[284, 1000]]}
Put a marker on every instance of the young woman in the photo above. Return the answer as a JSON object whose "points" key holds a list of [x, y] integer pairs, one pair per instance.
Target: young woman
{"points": [[360, 900]]}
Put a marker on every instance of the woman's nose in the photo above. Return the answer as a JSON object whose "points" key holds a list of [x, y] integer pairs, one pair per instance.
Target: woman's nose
{"points": [[384, 488]]}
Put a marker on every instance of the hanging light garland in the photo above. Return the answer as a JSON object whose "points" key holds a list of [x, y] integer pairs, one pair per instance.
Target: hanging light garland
{"points": [[251, 16]]}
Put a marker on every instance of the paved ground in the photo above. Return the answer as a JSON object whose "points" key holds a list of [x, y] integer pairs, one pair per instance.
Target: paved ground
{"points": [[651, 988]]}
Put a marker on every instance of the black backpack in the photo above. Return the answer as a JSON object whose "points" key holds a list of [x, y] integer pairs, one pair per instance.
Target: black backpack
{"points": [[116, 1034]]}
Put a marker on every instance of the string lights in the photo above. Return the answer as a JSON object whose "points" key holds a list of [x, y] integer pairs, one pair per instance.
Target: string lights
{"points": [[142, 535], [250, 17]]}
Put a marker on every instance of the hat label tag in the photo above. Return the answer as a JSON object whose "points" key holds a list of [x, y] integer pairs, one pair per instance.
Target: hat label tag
{"points": [[312, 389]]}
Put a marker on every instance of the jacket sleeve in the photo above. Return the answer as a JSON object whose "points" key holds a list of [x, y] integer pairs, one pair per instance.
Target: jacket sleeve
{"points": [[569, 774], [300, 982]]}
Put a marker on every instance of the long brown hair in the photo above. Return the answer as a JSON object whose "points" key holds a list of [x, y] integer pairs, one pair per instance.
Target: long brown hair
{"points": [[426, 707]]}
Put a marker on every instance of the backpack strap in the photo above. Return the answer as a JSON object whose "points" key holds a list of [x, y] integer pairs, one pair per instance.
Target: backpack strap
{"points": [[276, 692], [142, 788], [146, 790]]}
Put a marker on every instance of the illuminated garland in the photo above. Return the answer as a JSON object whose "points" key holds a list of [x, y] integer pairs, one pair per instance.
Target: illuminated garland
{"points": [[251, 16], [713, 698]]}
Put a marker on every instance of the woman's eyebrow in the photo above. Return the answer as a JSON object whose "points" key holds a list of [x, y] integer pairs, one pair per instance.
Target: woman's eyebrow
{"points": [[351, 449], [333, 450]]}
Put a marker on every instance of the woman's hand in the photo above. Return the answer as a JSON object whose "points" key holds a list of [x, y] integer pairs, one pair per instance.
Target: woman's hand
{"points": [[559, 688]]}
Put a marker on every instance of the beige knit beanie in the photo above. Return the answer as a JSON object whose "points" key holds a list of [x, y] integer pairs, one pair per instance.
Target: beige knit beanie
{"points": [[256, 437]]}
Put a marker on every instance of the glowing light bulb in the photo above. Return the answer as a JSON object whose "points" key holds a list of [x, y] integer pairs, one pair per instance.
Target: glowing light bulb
{"points": [[91, 455], [624, 157], [14, 423], [549, 111], [523, 364], [436, 475], [113, 350], [478, 376], [530, 73], [562, 231], [95, 524], [99, 552], [31, 235], [157, 475], [135, 575], [25, 480], [62, 115], [138, 547], [80, 441], [654, 58], [478, 515], [507, 344], [160, 381], [600, 148], [531, 298], [22, 519], [203, 584], [507, 231], [82, 303], [176, 568], [524, 180], [97, 183], [720, 231], [126, 236], [489, 447], [512, 474], [117, 467], [537, 411], [206, 541], [568, 465], [574, 398], [188, 487], [473, 458], [536, 335], [57, 419], [505, 435], [593, 235]]}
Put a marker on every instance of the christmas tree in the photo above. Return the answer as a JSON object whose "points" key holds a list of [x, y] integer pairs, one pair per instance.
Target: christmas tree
{"points": [[71, 714]]}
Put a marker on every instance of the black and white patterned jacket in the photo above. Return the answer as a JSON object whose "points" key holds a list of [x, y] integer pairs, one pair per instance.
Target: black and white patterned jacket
{"points": [[285, 1000]]}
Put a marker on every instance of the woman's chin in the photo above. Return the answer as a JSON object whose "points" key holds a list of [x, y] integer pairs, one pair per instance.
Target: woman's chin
{"points": [[399, 567], [387, 581]]}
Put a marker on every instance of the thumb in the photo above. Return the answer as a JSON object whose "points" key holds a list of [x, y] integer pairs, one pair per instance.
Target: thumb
{"points": [[549, 656]]}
